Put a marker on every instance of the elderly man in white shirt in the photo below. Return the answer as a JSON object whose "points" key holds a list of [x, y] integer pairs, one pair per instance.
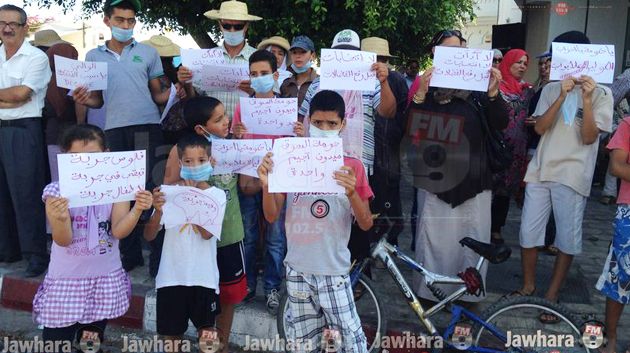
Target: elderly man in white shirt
{"points": [[24, 77]]}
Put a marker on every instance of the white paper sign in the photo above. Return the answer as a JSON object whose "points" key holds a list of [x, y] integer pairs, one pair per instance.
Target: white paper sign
{"points": [[196, 59], [172, 100], [239, 156], [89, 179], [306, 165], [461, 68], [269, 116], [189, 205], [347, 70], [574, 60], [221, 78], [283, 75], [73, 73]]}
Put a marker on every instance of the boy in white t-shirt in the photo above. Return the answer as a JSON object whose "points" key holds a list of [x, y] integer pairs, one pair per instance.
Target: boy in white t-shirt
{"points": [[318, 230], [188, 277], [569, 116]]}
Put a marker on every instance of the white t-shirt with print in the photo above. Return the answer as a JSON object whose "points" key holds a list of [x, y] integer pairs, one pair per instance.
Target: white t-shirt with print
{"points": [[561, 155]]}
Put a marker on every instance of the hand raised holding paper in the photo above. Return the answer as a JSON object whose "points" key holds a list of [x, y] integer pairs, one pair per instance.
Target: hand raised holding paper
{"points": [[144, 200], [381, 71], [588, 86], [184, 74], [264, 169], [346, 178], [493, 85], [158, 199], [298, 129], [57, 209]]}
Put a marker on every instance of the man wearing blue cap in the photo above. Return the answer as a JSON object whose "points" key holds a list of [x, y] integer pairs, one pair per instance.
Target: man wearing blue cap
{"points": [[302, 54], [131, 99]]}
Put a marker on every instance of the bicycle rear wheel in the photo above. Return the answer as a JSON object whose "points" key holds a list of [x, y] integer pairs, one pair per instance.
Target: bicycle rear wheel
{"points": [[518, 319], [369, 310]]}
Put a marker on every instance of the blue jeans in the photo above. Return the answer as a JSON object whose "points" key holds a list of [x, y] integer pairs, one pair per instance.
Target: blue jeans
{"points": [[275, 243]]}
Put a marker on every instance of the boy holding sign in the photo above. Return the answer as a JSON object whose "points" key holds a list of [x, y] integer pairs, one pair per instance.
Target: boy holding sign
{"points": [[188, 278], [263, 69], [569, 117], [318, 230]]}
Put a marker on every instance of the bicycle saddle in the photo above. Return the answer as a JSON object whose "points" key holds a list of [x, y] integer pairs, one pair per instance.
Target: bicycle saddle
{"points": [[496, 254]]}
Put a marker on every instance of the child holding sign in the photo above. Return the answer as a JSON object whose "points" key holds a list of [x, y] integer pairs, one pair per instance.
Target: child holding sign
{"points": [[188, 278], [85, 285], [205, 117], [318, 230]]}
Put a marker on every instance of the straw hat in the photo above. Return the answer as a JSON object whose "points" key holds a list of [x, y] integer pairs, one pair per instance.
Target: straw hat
{"points": [[163, 45], [376, 45], [47, 38], [231, 10], [275, 40]]}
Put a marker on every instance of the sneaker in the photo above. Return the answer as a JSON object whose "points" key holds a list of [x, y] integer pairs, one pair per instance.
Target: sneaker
{"points": [[273, 301]]}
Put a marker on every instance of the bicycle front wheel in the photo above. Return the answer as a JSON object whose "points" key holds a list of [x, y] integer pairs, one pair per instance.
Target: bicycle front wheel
{"points": [[368, 308], [518, 319]]}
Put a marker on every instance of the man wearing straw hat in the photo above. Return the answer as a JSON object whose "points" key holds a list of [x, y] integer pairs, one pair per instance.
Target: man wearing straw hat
{"points": [[388, 134], [234, 21], [46, 38]]}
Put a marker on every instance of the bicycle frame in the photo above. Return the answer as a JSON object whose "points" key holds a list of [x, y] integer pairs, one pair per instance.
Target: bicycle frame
{"points": [[386, 253]]}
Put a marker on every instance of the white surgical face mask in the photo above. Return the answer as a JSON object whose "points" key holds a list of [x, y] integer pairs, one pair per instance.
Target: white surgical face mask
{"points": [[314, 131], [234, 38]]}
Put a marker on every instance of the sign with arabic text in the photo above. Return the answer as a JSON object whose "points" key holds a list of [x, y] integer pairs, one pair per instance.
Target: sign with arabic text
{"points": [[575, 60], [461, 68]]}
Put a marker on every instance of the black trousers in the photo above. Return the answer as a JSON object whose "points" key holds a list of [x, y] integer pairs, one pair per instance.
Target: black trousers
{"points": [[74, 333], [499, 211], [130, 138], [22, 179]]}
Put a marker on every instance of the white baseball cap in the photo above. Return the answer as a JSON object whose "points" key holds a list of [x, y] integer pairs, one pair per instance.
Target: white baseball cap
{"points": [[346, 39]]}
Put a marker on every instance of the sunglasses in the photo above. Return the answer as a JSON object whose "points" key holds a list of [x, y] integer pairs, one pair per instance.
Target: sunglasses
{"points": [[229, 27]]}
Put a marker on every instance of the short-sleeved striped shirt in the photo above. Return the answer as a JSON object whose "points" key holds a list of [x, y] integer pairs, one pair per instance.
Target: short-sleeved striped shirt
{"points": [[371, 102], [230, 99]]}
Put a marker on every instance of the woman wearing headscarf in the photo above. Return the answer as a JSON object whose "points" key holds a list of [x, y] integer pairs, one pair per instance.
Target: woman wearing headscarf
{"points": [[449, 160], [59, 110], [517, 93]]}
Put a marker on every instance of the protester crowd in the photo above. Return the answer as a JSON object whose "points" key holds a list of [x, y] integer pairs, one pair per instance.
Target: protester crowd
{"points": [[151, 101]]}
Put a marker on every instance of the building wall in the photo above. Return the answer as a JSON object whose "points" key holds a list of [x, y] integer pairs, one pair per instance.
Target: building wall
{"points": [[607, 20]]}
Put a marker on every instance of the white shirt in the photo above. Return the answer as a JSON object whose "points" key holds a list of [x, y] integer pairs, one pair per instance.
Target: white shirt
{"points": [[28, 67]]}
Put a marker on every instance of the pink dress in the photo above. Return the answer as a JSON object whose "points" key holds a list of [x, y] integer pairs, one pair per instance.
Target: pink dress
{"points": [[85, 280]]}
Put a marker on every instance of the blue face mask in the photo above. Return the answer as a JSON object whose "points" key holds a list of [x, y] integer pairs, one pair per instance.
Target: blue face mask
{"points": [[122, 35], [234, 38], [263, 84], [199, 173], [210, 137], [301, 70], [177, 61], [314, 131]]}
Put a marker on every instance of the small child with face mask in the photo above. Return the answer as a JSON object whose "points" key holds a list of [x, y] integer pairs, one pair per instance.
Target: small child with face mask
{"points": [[318, 259], [187, 281]]}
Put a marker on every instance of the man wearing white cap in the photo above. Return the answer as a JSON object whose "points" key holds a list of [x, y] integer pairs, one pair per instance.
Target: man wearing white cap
{"points": [[234, 19]]}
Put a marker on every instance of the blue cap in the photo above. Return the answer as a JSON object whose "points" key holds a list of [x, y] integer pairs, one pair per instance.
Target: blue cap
{"points": [[546, 54], [303, 42]]}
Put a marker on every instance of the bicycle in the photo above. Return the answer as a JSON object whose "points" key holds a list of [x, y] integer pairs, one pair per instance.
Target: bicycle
{"points": [[486, 333]]}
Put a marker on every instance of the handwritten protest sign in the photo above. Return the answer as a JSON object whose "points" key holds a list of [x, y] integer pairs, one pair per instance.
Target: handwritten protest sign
{"points": [[269, 116], [196, 59], [239, 156], [306, 165], [89, 179], [461, 68], [73, 73], [347, 70], [221, 77], [574, 60], [189, 205]]}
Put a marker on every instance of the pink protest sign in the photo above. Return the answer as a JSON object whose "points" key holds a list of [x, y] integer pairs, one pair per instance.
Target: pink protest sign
{"points": [[306, 165], [73, 73], [347, 70], [188, 205], [574, 60], [461, 68], [89, 179], [269, 116]]}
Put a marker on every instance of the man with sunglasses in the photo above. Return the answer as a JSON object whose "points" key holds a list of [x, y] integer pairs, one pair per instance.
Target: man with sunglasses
{"points": [[24, 77], [234, 19], [131, 100]]}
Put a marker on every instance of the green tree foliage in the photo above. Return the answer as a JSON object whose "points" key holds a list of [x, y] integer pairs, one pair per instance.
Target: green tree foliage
{"points": [[408, 25]]}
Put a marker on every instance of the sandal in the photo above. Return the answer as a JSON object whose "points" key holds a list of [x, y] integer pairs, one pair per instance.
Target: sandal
{"points": [[520, 293], [548, 318]]}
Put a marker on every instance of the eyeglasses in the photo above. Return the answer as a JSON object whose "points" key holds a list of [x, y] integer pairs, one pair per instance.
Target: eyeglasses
{"points": [[229, 26], [496, 61], [12, 25]]}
